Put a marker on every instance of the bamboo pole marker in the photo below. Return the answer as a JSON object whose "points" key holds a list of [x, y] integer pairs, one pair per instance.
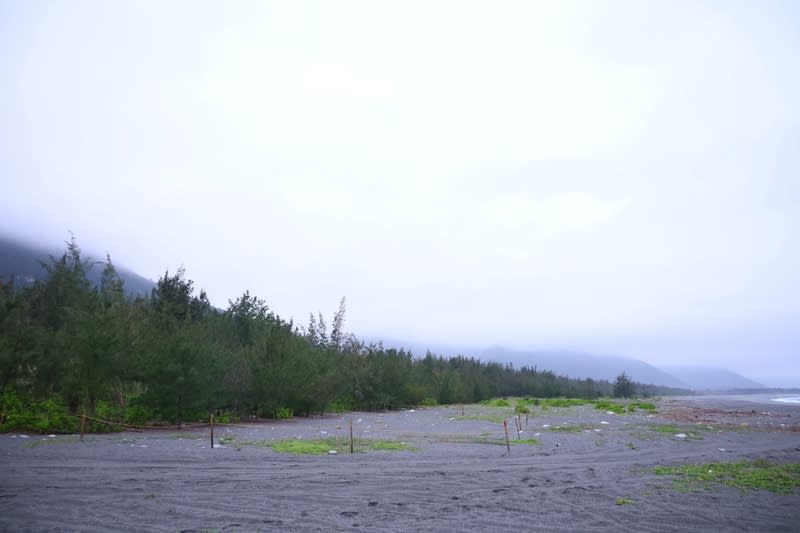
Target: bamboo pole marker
{"points": [[83, 423], [519, 427], [351, 435], [505, 427], [211, 421]]}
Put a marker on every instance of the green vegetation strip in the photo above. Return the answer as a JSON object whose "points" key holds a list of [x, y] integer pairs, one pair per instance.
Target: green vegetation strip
{"points": [[746, 475], [325, 446]]}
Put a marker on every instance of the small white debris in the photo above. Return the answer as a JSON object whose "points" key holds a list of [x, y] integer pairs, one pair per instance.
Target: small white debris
{"points": [[612, 413], [411, 411], [604, 422], [323, 432], [681, 436], [143, 446], [359, 420], [24, 437], [218, 446], [545, 425], [723, 450], [332, 452], [536, 434], [597, 430], [452, 418], [52, 436]]}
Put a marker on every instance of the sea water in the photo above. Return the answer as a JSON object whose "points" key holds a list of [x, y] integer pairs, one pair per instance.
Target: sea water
{"points": [[788, 399]]}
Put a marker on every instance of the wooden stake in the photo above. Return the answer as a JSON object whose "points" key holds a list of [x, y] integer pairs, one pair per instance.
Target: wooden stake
{"points": [[462, 409], [519, 427], [351, 435], [83, 423], [212, 430], [508, 444]]}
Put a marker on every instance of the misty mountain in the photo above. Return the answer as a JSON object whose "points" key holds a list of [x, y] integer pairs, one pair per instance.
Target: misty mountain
{"points": [[566, 363], [713, 379], [585, 365], [595, 366], [21, 260]]}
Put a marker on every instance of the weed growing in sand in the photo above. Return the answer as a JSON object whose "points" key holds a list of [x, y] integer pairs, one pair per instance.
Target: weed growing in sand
{"points": [[631, 445], [529, 442], [623, 501], [746, 475], [339, 445]]}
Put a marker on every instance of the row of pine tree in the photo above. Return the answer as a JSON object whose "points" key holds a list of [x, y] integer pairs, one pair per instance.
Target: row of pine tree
{"points": [[173, 357]]}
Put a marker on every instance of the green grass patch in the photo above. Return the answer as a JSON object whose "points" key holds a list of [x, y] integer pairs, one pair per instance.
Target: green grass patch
{"points": [[521, 409], [746, 475], [324, 446], [623, 501], [496, 402], [645, 406], [609, 405], [529, 442]]}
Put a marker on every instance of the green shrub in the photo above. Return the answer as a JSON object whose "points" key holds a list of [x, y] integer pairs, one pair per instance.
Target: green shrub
{"points": [[340, 406], [283, 412], [429, 402], [49, 416], [496, 402], [521, 409], [139, 415]]}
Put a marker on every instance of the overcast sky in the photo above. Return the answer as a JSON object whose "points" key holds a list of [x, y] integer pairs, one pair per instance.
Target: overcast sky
{"points": [[608, 176]]}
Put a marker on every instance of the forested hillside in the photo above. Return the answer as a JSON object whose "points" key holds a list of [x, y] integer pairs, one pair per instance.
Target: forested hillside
{"points": [[66, 347]]}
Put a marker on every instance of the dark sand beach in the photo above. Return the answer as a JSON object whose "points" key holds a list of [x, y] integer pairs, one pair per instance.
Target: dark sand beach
{"points": [[459, 477]]}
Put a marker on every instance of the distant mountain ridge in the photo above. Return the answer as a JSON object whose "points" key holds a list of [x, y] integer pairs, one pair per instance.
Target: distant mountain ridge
{"points": [[21, 260], [590, 365], [586, 365], [713, 379]]}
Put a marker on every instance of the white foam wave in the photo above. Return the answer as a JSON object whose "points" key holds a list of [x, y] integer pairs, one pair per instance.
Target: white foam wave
{"points": [[789, 399]]}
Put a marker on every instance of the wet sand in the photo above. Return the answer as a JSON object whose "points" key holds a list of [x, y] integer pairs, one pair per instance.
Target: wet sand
{"points": [[459, 478]]}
